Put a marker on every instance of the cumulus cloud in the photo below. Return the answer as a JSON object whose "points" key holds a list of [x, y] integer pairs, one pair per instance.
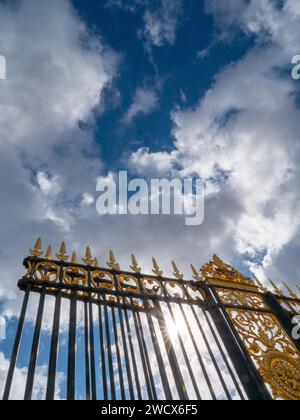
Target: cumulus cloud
{"points": [[56, 73], [243, 137]]}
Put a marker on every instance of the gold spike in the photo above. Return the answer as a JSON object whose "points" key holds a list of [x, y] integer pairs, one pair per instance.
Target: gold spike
{"points": [[62, 255], [291, 293], [112, 263], [196, 275], [88, 260], [36, 251], [48, 254], [74, 258], [176, 271], [298, 287], [276, 289], [134, 265], [261, 286], [156, 269]]}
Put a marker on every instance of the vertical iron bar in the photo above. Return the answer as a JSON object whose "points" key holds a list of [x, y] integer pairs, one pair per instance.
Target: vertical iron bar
{"points": [[129, 376], [233, 377], [72, 348], [16, 347], [119, 361], [282, 316], [154, 393], [35, 347], [180, 385], [186, 359], [143, 358], [50, 393], [103, 362], [135, 369], [160, 361], [109, 349], [87, 353], [92, 351]]}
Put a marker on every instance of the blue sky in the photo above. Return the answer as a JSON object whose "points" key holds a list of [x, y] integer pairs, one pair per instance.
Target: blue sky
{"points": [[159, 88]]}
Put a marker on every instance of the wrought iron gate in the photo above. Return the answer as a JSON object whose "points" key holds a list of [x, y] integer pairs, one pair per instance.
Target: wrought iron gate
{"points": [[219, 336]]}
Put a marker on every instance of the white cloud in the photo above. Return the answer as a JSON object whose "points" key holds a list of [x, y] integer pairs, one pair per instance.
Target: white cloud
{"points": [[243, 137], [162, 23], [145, 101], [56, 74]]}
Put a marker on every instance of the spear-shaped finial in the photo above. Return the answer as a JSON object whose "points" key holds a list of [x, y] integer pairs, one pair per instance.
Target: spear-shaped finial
{"points": [[36, 251], [260, 285], [196, 275], [89, 260], [134, 265], [276, 289], [178, 275], [62, 255], [291, 293], [112, 263], [156, 269], [74, 258], [48, 254]]}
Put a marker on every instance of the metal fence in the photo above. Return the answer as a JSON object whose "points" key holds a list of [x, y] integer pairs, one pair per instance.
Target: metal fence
{"points": [[131, 336]]}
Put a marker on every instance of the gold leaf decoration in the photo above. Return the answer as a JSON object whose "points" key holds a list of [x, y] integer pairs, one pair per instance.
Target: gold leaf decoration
{"points": [[112, 263], [178, 275], [62, 255], [156, 269], [36, 251], [134, 265]]}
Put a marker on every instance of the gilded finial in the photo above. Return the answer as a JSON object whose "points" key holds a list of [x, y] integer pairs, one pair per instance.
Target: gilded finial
{"points": [[48, 254], [291, 293], [112, 263], [260, 285], [62, 255], [276, 289], [134, 265], [156, 269], [36, 251], [74, 258], [178, 275], [89, 260], [196, 275]]}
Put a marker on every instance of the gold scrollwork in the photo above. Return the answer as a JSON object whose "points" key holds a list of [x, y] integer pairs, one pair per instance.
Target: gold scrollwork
{"points": [[276, 356], [75, 276], [128, 284], [103, 280], [240, 298], [174, 290], [152, 287], [47, 271]]}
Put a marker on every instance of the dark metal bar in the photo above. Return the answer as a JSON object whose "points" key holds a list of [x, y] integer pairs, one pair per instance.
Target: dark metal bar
{"points": [[252, 382], [159, 358], [119, 361], [109, 349], [212, 358], [92, 352], [143, 358], [128, 370], [50, 393], [72, 348], [87, 353], [180, 385], [135, 369], [35, 347], [16, 347], [185, 356], [102, 350], [146, 353], [224, 357]]}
